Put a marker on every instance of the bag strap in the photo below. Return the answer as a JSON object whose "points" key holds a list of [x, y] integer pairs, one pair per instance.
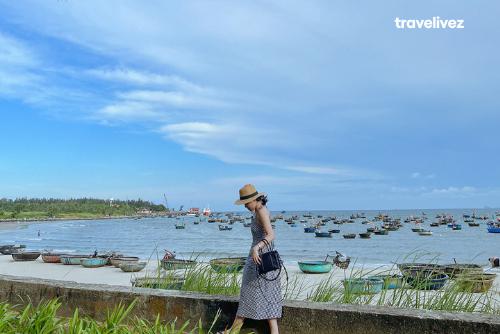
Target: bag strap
{"points": [[267, 279], [286, 286], [270, 247]]}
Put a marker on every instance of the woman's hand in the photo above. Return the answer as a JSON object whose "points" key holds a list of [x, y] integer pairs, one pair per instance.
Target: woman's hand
{"points": [[256, 255]]}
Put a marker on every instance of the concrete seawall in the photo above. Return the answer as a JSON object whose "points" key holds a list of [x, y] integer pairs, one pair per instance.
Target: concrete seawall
{"points": [[298, 317]]}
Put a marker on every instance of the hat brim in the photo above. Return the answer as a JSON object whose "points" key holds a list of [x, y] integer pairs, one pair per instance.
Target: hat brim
{"points": [[248, 200]]}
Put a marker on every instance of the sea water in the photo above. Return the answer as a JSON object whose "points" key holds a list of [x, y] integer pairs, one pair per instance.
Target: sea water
{"points": [[149, 237]]}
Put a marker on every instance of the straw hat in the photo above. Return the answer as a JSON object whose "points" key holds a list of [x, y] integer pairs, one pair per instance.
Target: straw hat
{"points": [[247, 194]]}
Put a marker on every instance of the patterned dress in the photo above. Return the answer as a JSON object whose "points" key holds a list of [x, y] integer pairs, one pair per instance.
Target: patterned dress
{"points": [[259, 298]]}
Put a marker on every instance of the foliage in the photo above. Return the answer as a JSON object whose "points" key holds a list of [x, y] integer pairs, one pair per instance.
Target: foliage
{"points": [[91, 207], [43, 319]]}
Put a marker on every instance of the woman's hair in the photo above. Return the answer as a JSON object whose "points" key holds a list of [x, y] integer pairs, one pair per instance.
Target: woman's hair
{"points": [[262, 199]]}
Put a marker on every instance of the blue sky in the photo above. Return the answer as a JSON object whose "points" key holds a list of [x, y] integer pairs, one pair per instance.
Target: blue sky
{"points": [[322, 104]]}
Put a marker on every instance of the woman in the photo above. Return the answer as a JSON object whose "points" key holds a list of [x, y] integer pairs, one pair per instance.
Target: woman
{"points": [[259, 298]]}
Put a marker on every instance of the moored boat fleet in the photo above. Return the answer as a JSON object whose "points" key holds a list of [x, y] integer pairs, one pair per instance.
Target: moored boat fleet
{"points": [[379, 225]]}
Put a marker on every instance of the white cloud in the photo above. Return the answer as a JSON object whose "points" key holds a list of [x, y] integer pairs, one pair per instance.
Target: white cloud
{"points": [[17, 67], [143, 78], [175, 99], [459, 192], [418, 175], [129, 111]]}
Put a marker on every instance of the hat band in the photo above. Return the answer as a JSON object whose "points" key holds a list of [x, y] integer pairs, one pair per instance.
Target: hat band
{"points": [[242, 198]]}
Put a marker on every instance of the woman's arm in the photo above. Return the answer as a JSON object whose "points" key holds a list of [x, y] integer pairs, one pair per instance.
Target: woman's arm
{"points": [[263, 219]]}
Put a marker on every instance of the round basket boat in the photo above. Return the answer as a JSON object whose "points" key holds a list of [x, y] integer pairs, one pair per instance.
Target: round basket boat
{"points": [[52, 257], [476, 283], [390, 281], [315, 267], [158, 283], [174, 264], [72, 259], [11, 249], [25, 256], [431, 282], [93, 262], [455, 269], [132, 267], [228, 264], [116, 261], [363, 285], [418, 270]]}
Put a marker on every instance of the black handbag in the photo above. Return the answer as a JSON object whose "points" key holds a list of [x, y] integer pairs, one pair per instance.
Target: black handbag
{"points": [[269, 261]]}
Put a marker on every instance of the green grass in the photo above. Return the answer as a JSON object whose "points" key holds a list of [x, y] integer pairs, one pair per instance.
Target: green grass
{"points": [[43, 319], [450, 298]]}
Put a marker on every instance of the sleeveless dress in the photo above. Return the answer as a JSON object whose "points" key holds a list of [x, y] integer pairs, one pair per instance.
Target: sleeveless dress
{"points": [[259, 299]]}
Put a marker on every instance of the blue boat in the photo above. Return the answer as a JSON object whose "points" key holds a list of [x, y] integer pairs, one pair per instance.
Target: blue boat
{"points": [[315, 267], [432, 282], [456, 227], [363, 285], [309, 229], [493, 228]]}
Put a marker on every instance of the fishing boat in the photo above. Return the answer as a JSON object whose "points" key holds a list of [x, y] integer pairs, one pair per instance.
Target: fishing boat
{"points": [[456, 227], [225, 228], [390, 281], [180, 226], [455, 269], [417, 229], [363, 285], [365, 235], [381, 232], [175, 264], [132, 267], [477, 283], [116, 261], [164, 282], [52, 257], [334, 231], [473, 224], [315, 267], [93, 262], [493, 227], [309, 229], [431, 282], [25, 256], [228, 264], [320, 234], [11, 249], [207, 211], [420, 270], [425, 233], [72, 259], [435, 224], [349, 236], [370, 229]]}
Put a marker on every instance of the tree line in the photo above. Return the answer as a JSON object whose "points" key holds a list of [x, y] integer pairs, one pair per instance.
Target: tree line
{"points": [[53, 207]]}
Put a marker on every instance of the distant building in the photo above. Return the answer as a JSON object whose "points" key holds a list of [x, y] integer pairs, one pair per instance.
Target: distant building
{"points": [[144, 211]]}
